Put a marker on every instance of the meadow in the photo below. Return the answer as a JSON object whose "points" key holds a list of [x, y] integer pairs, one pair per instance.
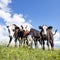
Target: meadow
{"points": [[24, 53]]}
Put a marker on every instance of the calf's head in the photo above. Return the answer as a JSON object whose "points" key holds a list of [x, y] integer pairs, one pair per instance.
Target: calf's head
{"points": [[43, 29], [11, 29]]}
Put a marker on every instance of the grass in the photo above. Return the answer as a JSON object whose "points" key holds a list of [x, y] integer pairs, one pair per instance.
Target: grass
{"points": [[15, 53]]}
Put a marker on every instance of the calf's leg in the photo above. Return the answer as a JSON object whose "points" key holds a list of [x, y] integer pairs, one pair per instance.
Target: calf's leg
{"points": [[16, 42], [43, 44], [9, 41]]}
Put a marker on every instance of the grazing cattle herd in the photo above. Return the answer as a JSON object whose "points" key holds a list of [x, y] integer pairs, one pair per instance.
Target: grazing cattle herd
{"points": [[32, 36]]}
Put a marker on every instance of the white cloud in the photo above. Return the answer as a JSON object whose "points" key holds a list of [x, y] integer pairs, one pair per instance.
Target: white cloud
{"points": [[57, 36], [57, 39], [3, 35], [4, 4], [5, 15], [17, 19]]}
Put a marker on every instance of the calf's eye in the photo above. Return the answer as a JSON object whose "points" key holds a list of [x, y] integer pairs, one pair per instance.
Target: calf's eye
{"points": [[13, 30]]}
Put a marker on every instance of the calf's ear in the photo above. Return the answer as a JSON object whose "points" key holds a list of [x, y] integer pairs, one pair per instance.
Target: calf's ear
{"points": [[40, 27], [14, 24], [50, 27], [7, 26]]}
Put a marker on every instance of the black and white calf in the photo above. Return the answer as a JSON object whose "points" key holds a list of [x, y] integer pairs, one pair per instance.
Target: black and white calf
{"points": [[34, 38], [47, 34], [12, 30]]}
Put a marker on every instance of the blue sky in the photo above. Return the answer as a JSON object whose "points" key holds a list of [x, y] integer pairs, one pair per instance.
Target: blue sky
{"points": [[39, 11]]}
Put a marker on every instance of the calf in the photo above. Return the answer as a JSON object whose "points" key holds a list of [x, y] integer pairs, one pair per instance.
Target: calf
{"points": [[13, 30], [33, 37], [47, 34]]}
